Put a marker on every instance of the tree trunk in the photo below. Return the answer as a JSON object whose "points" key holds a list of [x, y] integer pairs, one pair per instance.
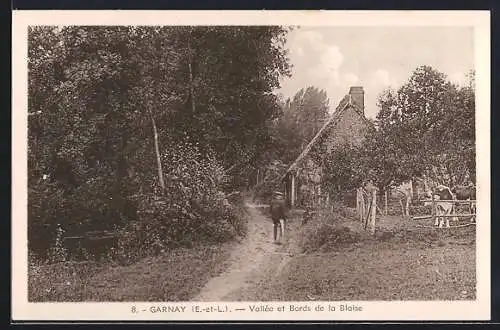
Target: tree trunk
{"points": [[153, 123], [191, 87], [373, 212], [157, 152], [191, 83]]}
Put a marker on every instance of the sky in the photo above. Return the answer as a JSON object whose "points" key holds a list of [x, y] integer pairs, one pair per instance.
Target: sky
{"points": [[335, 58]]}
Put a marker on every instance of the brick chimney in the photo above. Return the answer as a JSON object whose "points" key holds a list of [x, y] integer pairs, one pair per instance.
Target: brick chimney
{"points": [[357, 95]]}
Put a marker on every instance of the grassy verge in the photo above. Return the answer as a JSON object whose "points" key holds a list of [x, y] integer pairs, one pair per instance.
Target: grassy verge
{"points": [[385, 274], [174, 276], [340, 261]]}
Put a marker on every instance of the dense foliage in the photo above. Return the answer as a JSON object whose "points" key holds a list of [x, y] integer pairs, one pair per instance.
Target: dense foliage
{"points": [[428, 127], [270, 182], [302, 117], [129, 121]]}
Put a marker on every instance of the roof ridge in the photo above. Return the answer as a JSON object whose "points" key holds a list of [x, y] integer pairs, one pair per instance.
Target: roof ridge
{"points": [[306, 150]]}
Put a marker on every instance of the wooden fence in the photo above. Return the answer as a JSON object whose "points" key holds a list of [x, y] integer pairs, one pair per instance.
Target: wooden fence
{"points": [[366, 208], [453, 214]]}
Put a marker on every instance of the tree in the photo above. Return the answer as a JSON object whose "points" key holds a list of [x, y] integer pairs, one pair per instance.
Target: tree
{"points": [[302, 117], [234, 71], [342, 169], [156, 93], [425, 127], [309, 108]]}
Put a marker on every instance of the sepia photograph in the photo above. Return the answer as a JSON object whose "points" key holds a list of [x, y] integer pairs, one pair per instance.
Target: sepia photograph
{"points": [[263, 163]]}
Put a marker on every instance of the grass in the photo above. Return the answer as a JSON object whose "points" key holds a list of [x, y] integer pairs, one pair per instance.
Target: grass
{"points": [[330, 258], [437, 273], [338, 261], [174, 276]]}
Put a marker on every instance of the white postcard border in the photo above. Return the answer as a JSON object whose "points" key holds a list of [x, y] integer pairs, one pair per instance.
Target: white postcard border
{"points": [[372, 310]]}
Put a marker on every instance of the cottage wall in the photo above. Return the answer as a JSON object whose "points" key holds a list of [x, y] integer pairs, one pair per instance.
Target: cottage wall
{"points": [[350, 129], [308, 181]]}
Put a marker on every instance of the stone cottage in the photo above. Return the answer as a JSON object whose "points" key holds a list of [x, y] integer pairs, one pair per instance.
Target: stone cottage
{"points": [[347, 125]]}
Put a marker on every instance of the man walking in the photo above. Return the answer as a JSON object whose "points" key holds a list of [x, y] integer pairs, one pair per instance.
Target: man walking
{"points": [[277, 210]]}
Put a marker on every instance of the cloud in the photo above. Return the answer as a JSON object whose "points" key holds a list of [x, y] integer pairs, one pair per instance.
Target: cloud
{"points": [[310, 44], [316, 62], [351, 78], [296, 50], [313, 38], [377, 81], [300, 51], [381, 77], [331, 58]]}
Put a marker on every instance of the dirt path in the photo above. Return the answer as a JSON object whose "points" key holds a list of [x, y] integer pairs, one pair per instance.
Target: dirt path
{"points": [[255, 260]]}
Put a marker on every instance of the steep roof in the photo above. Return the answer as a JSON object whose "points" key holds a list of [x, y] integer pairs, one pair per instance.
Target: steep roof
{"points": [[344, 104]]}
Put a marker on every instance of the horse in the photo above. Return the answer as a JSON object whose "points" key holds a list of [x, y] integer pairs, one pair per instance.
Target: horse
{"points": [[405, 193]]}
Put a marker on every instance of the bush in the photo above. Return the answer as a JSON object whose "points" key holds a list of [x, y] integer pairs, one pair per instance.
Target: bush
{"points": [[264, 191], [196, 189], [161, 228], [46, 204], [56, 213], [328, 231], [193, 209]]}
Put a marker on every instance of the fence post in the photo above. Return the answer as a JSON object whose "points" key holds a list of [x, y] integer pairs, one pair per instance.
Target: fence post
{"points": [[357, 200], [362, 209], [433, 211], [373, 211]]}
